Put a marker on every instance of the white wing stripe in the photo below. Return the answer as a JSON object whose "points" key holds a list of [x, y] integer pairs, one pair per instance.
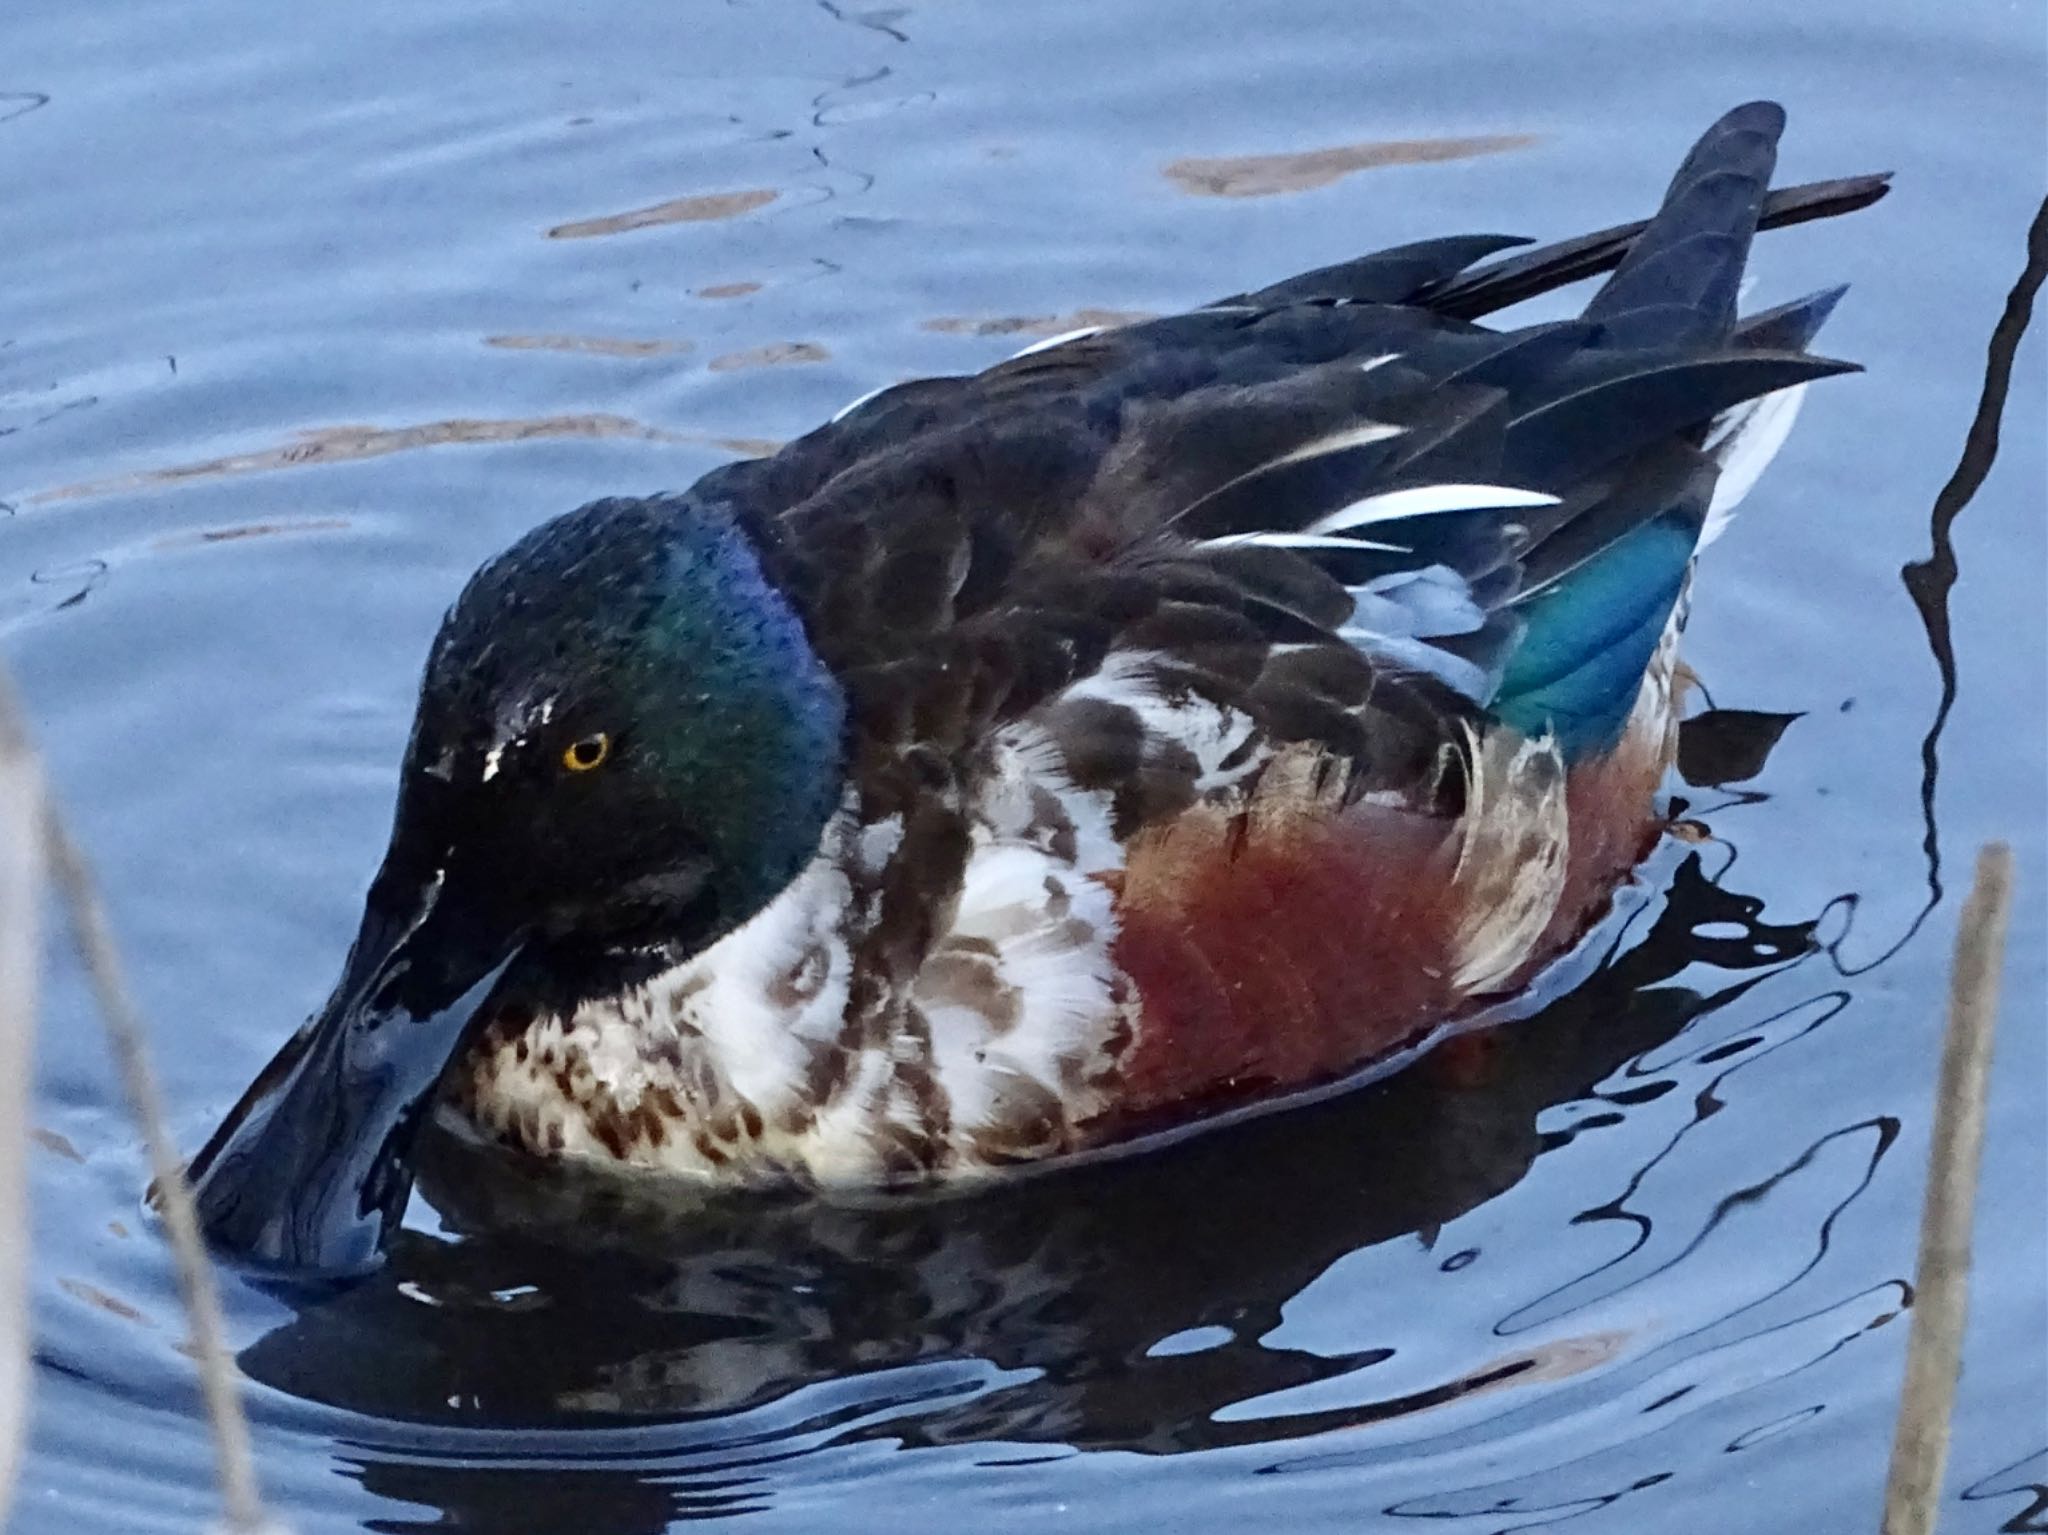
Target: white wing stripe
{"points": [[1336, 442], [1420, 500], [1060, 340], [853, 405], [1294, 541]]}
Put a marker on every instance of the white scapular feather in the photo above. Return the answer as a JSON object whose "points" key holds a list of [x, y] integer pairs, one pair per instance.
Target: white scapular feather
{"points": [[1421, 500], [1337, 442], [1273, 540], [1060, 340], [855, 404]]}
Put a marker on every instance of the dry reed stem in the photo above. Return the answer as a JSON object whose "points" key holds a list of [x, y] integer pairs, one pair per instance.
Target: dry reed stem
{"points": [[234, 1464], [21, 814], [1941, 1284]]}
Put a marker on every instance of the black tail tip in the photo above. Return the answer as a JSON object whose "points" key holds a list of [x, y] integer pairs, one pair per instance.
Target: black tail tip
{"points": [[1766, 117]]}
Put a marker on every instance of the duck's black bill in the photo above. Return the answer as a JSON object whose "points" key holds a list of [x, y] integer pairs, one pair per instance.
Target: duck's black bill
{"points": [[310, 1172]]}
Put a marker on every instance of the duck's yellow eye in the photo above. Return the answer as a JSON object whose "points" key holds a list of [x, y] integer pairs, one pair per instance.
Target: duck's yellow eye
{"points": [[581, 756]]}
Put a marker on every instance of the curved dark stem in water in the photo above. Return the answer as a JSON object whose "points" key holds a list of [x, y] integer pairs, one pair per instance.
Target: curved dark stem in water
{"points": [[1929, 581]]}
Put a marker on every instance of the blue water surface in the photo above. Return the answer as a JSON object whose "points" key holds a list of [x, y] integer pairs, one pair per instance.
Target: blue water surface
{"points": [[308, 309]]}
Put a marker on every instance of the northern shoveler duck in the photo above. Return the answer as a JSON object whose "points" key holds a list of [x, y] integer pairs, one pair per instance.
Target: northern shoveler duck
{"points": [[1169, 714]]}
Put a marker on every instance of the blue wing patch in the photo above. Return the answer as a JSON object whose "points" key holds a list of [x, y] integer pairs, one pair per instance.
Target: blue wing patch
{"points": [[1590, 636]]}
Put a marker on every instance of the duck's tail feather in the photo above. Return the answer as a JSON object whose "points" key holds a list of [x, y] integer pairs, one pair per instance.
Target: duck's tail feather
{"points": [[1516, 513], [1678, 282], [1789, 327], [1529, 274], [1592, 620]]}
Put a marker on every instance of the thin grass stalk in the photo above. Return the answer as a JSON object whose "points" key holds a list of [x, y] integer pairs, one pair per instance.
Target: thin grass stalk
{"points": [[234, 1463], [1934, 1348], [21, 817]]}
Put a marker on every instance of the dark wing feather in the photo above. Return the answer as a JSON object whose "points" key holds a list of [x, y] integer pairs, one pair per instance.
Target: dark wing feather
{"points": [[1398, 275], [1617, 404]]}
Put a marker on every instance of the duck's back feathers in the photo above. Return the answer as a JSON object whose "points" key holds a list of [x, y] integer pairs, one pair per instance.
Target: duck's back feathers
{"points": [[1327, 503]]}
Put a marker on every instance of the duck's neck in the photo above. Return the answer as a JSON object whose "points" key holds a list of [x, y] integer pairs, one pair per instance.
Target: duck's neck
{"points": [[755, 732]]}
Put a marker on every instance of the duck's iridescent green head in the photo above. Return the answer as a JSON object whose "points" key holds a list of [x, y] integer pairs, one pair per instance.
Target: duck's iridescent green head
{"points": [[625, 747], [623, 722]]}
